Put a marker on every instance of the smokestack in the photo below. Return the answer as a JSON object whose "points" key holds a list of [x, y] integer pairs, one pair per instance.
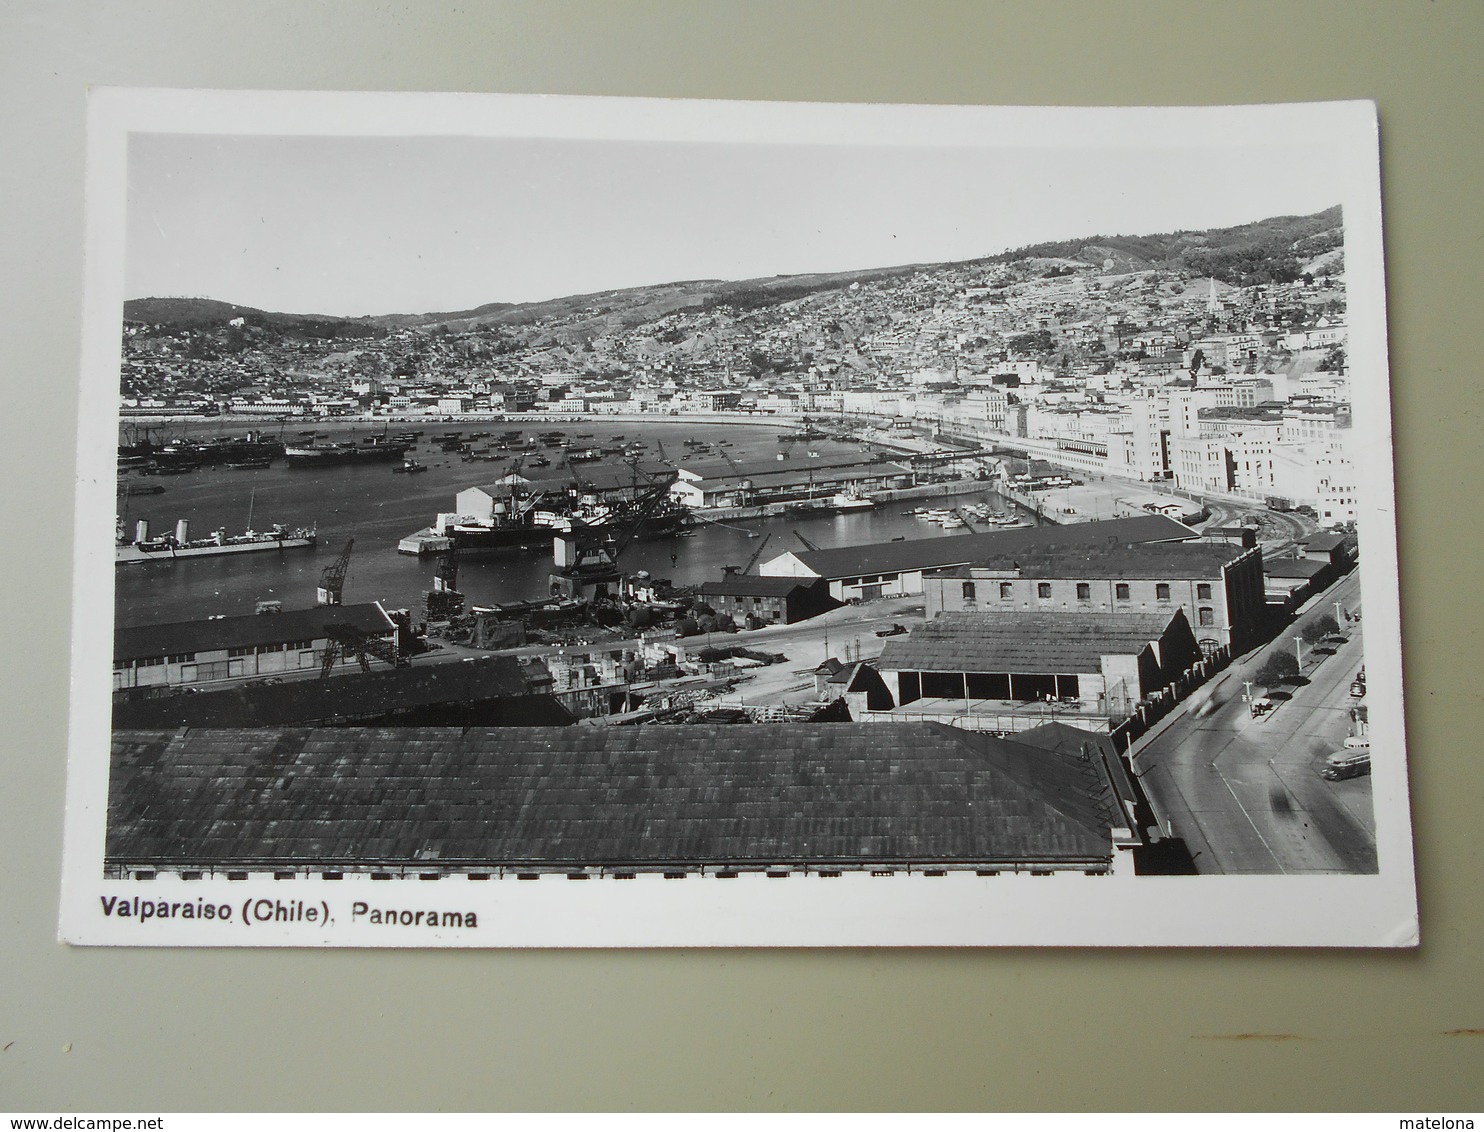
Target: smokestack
{"points": [[182, 530], [141, 531]]}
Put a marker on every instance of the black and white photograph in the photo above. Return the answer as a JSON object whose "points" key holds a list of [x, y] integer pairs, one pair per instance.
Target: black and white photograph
{"points": [[798, 524]]}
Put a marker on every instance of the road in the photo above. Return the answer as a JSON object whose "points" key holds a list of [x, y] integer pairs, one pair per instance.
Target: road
{"points": [[1245, 794]]}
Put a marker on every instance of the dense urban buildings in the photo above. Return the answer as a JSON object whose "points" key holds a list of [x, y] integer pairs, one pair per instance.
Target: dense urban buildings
{"points": [[1216, 366]]}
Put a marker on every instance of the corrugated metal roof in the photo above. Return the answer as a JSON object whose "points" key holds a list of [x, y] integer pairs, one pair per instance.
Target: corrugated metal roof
{"points": [[343, 697], [596, 796], [954, 550], [790, 465], [1152, 561], [1021, 641], [1293, 567], [1324, 541], [132, 641], [819, 477], [754, 585]]}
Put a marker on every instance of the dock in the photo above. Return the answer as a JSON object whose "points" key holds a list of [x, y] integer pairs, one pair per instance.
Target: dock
{"points": [[425, 541]]}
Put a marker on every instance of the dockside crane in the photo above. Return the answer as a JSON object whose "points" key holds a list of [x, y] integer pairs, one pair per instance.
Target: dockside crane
{"points": [[444, 601], [590, 559], [744, 485], [807, 544], [332, 580], [756, 554], [346, 642]]}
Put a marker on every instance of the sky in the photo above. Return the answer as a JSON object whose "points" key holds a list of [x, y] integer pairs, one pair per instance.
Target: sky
{"points": [[378, 225]]}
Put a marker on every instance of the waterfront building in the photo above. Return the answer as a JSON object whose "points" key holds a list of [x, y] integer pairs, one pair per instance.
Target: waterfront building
{"points": [[783, 798], [773, 601], [784, 480], [188, 653], [1218, 585], [894, 568]]}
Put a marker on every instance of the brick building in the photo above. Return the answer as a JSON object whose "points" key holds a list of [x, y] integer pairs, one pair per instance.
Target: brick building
{"points": [[774, 601], [1219, 585]]}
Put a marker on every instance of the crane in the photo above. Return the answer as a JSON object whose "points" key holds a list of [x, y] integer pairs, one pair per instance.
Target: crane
{"points": [[444, 602], [756, 554], [446, 573], [659, 488], [591, 557], [807, 544], [346, 641], [332, 581], [744, 485]]}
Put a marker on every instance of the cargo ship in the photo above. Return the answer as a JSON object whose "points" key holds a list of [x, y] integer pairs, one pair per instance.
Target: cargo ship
{"points": [[177, 457], [180, 545], [323, 455]]}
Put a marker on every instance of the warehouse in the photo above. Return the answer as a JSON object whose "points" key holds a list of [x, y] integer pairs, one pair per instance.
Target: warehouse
{"points": [[785, 480], [981, 670], [522, 802], [266, 644], [772, 601], [891, 569], [1218, 585]]}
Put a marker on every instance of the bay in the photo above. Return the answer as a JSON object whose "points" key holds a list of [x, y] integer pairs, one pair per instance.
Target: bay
{"points": [[377, 508]]}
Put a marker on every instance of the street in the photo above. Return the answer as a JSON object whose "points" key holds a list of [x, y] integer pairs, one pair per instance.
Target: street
{"points": [[1245, 794]]}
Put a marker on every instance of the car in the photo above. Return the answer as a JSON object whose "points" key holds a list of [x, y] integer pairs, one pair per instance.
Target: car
{"points": [[1357, 689], [1346, 764]]}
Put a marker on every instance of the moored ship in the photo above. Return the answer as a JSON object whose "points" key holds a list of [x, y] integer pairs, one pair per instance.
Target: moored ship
{"points": [[535, 529], [180, 545], [324, 455], [513, 527]]}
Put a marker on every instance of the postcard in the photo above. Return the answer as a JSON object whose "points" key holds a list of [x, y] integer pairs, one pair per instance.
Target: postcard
{"points": [[585, 522]]}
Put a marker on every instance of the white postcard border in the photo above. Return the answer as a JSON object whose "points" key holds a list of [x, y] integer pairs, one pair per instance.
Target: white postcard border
{"points": [[751, 910]]}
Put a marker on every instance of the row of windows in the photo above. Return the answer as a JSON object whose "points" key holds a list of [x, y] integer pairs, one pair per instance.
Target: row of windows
{"points": [[869, 579], [156, 661], [1084, 591], [262, 650]]}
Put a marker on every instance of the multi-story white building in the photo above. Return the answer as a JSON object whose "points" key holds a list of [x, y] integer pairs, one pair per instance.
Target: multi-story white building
{"points": [[1319, 475]]}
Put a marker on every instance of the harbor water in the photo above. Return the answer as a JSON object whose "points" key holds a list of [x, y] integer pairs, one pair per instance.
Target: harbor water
{"points": [[377, 507]]}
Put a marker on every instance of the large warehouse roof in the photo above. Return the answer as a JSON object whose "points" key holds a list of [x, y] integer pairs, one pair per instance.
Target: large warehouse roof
{"points": [[1017, 641], [354, 695], [1165, 560], [587, 797], [956, 550], [131, 642]]}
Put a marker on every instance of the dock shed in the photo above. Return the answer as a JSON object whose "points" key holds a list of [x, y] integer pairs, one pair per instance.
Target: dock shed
{"points": [[526, 801], [892, 569]]}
